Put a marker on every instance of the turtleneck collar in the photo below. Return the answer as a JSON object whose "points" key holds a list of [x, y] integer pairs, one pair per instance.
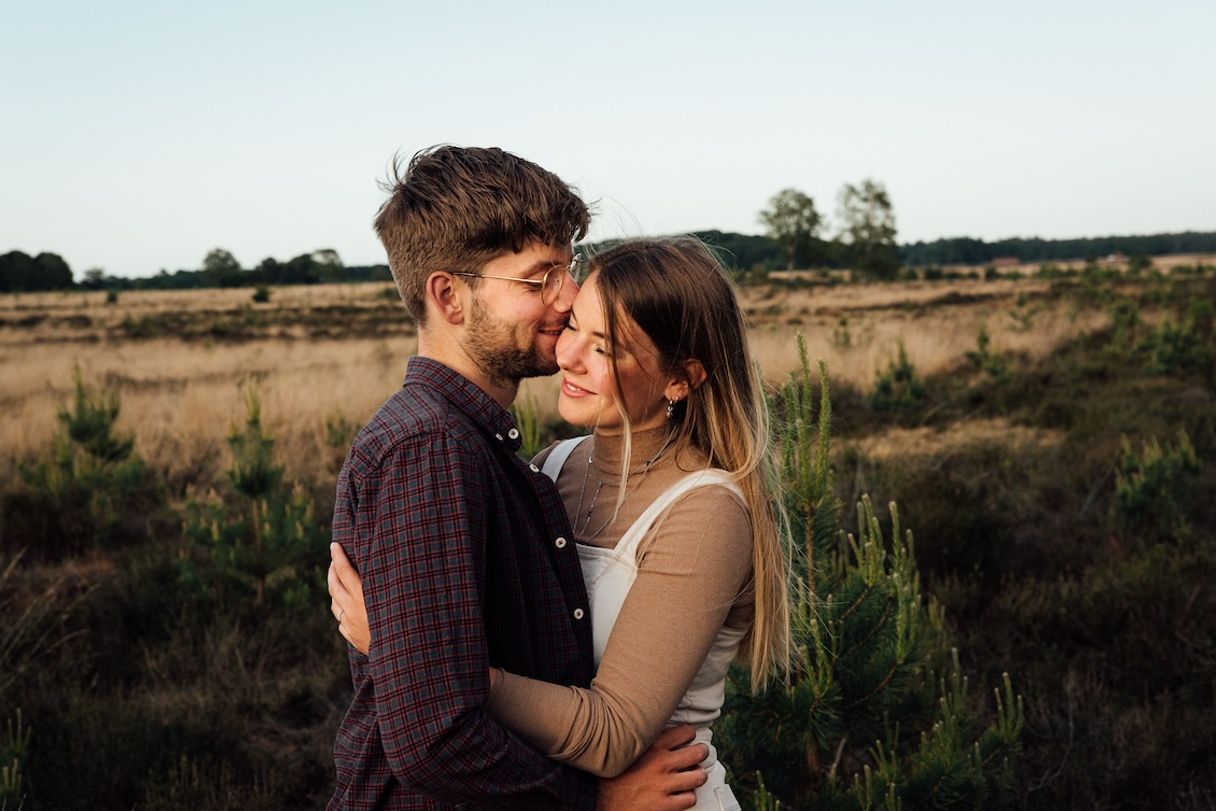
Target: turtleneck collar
{"points": [[609, 450]]}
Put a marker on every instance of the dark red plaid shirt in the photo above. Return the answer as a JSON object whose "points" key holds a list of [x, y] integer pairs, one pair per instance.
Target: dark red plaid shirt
{"points": [[467, 560]]}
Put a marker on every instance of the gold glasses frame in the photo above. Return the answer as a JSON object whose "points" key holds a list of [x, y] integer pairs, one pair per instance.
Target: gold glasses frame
{"points": [[550, 285]]}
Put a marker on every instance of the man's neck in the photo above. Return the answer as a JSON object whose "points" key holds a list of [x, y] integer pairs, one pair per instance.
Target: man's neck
{"points": [[451, 354]]}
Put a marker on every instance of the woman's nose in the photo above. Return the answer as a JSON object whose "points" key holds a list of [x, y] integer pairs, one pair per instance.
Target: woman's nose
{"points": [[567, 351]]}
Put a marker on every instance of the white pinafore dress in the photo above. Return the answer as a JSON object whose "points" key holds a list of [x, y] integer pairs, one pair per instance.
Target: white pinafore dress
{"points": [[609, 574]]}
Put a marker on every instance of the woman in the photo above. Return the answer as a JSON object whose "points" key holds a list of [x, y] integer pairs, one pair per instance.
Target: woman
{"points": [[670, 500]]}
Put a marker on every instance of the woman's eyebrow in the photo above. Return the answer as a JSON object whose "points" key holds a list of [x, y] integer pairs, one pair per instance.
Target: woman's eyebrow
{"points": [[574, 321]]}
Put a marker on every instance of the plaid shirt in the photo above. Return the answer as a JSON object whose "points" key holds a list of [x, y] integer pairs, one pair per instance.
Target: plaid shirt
{"points": [[467, 561]]}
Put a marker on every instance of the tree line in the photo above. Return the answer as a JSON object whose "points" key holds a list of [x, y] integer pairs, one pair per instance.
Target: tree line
{"points": [[970, 251], [795, 238], [19, 273]]}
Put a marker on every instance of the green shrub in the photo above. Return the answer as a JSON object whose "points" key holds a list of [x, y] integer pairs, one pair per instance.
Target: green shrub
{"points": [[14, 745], [1154, 487], [898, 388], [1023, 314], [983, 360], [875, 708], [1176, 347], [261, 295], [111, 297], [264, 543], [1138, 264], [1125, 325], [92, 491]]}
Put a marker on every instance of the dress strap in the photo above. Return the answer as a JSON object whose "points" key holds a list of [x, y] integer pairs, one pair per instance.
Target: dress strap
{"points": [[627, 546], [558, 456]]}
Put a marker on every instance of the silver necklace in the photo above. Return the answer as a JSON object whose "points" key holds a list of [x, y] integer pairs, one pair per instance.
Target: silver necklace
{"points": [[578, 512]]}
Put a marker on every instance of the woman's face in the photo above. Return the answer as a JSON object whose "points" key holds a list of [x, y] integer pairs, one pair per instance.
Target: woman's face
{"points": [[589, 393]]}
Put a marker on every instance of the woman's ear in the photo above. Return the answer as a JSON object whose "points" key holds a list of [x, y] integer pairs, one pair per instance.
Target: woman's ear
{"points": [[693, 375], [441, 296]]}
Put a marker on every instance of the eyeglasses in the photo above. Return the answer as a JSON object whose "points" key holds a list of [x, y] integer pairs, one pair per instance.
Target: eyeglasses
{"points": [[550, 285]]}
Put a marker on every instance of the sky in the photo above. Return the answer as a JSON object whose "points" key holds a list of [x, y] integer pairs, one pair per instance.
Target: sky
{"points": [[138, 136]]}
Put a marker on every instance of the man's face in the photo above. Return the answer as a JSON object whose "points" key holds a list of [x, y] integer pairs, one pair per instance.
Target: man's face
{"points": [[512, 332]]}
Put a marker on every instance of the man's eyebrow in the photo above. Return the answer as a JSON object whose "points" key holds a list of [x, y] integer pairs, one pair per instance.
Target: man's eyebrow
{"points": [[542, 266]]}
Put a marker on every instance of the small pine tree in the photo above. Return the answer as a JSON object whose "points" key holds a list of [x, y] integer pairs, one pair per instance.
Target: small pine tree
{"points": [[268, 541], [90, 423], [1154, 487], [14, 745], [874, 713], [983, 359], [91, 490], [898, 387]]}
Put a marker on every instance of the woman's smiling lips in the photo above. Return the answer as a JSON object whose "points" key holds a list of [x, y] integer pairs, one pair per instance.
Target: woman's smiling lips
{"points": [[571, 390]]}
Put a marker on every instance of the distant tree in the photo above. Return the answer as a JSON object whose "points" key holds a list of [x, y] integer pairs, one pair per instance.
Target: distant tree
{"points": [[867, 226], [793, 223], [302, 269], [16, 271], [47, 271], [221, 269], [54, 273], [327, 257], [94, 279]]}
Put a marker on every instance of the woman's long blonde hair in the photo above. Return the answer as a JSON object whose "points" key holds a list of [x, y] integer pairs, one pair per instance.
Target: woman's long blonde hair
{"points": [[677, 293]]}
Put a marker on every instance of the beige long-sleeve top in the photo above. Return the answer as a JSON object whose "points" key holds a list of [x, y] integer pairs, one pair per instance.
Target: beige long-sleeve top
{"points": [[694, 576]]}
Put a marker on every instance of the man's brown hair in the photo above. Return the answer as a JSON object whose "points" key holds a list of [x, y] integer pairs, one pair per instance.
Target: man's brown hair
{"points": [[457, 208]]}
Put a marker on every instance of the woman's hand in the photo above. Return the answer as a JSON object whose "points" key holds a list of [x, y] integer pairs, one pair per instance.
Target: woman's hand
{"points": [[346, 600]]}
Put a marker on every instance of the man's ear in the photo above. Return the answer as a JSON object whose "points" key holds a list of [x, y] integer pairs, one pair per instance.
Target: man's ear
{"points": [[443, 297], [693, 375]]}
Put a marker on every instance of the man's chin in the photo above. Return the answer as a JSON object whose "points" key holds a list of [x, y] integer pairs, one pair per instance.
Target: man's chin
{"points": [[543, 367]]}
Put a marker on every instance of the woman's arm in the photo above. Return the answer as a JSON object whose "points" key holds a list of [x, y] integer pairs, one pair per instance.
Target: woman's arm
{"points": [[346, 599], [689, 575]]}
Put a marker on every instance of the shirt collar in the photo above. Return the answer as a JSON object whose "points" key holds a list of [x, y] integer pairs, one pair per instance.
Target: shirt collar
{"points": [[466, 396]]}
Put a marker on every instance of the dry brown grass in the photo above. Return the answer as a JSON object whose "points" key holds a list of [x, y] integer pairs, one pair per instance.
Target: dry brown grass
{"points": [[926, 441], [937, 323], [180, 398]]}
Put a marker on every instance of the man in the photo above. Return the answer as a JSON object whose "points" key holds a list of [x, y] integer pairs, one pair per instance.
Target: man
{"points": [[461, 545]]}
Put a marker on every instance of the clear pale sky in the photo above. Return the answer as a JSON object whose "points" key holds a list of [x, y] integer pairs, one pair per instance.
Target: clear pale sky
{"points": [[138, 135]]}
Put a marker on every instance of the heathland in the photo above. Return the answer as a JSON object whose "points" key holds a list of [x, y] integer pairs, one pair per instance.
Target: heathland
{"points": [[1048, 436]]}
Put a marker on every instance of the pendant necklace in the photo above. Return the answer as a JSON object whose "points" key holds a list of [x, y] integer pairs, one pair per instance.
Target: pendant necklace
{"points": [[578, 512]]}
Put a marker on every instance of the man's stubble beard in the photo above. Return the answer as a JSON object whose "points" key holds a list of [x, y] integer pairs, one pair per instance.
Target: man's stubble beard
{"points": [[492, 344]]}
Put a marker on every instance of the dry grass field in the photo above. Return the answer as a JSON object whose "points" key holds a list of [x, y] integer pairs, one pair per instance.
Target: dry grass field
{"points": [[331, 354], [1057, 484]]}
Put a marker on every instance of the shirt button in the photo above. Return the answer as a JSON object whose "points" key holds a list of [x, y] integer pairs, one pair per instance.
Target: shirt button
{"points": [[534, 468], [560, 543], [513, 433], [578, 613], [498, 437]]}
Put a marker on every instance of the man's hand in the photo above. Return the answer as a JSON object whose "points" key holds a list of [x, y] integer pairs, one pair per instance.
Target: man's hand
{"points": [[662, 779], [346, 600]]}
